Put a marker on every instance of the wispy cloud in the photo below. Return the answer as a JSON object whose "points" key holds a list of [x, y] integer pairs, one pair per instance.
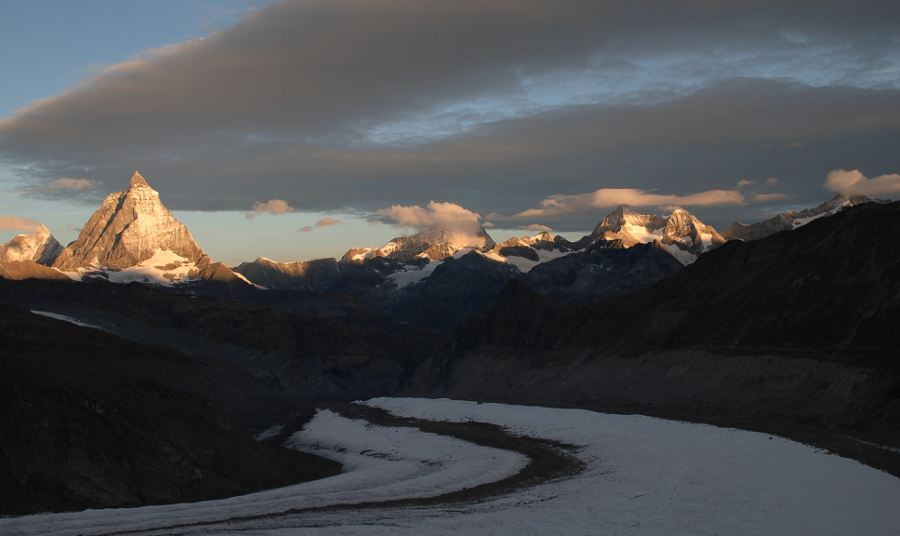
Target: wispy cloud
{"points": [[324, 222], [10, 223], [75, 184], [767, 198]]}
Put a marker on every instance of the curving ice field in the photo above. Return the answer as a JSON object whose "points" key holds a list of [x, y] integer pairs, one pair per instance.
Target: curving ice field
{"points": [[642, 476]]}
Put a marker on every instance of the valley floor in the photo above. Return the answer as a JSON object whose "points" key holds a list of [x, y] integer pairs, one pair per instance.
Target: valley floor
{"points": [[639, 475]]}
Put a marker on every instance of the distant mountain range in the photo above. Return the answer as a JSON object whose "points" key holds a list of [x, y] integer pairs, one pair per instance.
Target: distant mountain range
{"points": [[436, 277], [135, 370]]}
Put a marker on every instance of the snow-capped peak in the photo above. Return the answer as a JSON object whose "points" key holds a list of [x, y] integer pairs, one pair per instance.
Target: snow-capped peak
{"points": [[37, 246], [681, 233], [130, 228]]}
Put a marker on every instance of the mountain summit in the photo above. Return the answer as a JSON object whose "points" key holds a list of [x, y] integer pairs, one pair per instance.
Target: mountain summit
{"points": [[38, 246], [435, 243], [133, 229], [681, 233]]}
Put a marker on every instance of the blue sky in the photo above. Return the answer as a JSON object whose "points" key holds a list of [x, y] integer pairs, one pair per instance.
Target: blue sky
{"points": [[530, 114]]}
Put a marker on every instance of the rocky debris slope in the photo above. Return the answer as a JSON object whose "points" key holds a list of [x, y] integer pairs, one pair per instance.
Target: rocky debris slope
{"points": [[89, 420], [38, 246]]}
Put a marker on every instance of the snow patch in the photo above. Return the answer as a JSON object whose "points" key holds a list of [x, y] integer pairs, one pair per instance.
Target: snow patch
{"points": [[66, 319], [413, 274]]}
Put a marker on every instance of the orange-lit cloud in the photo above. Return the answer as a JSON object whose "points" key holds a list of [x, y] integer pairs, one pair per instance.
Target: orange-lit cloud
{"points": [[272, 206], [325, 222], [612, 197], [855, 183], [10, 223], [75, 184]]}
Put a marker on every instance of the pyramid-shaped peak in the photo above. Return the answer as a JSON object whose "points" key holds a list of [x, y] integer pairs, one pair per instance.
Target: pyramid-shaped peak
{"points": [[137, 181]]}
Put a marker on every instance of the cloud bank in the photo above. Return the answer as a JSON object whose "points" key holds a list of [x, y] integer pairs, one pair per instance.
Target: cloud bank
{"points": [[339, 104]]}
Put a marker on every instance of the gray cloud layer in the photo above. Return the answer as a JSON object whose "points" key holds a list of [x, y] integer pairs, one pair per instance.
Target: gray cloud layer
{"points": [[495, 106]]}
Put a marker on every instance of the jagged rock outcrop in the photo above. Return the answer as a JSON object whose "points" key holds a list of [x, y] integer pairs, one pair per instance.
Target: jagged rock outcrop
{"points": [[787, 221], [37, 246], [131, 228]]}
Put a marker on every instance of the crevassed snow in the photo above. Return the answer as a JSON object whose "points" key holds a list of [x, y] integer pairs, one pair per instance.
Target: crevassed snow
{"points": [[642, 476], [66, 319], [413, 274], [379, 464]]}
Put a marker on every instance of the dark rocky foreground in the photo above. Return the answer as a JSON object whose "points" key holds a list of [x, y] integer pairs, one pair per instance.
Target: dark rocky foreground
{"points": [[89, 421]]}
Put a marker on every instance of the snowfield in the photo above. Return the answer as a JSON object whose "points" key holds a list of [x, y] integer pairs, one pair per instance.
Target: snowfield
{"points": [[642, 476]]}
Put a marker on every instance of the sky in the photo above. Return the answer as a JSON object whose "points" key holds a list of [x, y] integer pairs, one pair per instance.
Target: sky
{"points": [[298, 129]]}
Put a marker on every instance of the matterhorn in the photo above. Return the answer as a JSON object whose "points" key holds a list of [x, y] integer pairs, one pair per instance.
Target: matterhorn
{"points": [[133, 235]]}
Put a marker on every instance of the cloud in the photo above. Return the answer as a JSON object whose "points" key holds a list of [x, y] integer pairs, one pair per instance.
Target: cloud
{"points": [[855, 183], [457, 221], [75, 184], [343, 104], [613, 197], [537, 227], [796, 145], [767, 198], [325, 222], [745, 183], [10, 223], [771, 180], [272, 206]]}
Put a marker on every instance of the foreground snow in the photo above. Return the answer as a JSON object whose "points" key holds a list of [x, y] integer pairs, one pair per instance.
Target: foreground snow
{"points": [[642, 476]]}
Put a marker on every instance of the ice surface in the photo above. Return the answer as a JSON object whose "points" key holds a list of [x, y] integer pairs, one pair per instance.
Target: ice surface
{"points": [[642, 476]]}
